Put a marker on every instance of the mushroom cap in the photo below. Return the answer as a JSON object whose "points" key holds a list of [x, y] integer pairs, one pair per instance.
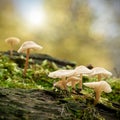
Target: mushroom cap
{"points": [[82, 70], [61, 73], [100, 70], [29, 45], [12, 40], [100, 86]]}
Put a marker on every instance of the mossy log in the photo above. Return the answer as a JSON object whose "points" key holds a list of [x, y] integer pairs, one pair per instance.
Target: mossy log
{"points": [[38, 58], [35, 104]]}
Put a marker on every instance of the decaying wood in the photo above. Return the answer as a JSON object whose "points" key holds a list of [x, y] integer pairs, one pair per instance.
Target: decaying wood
{"points": [[19, 104], [38, 58]]}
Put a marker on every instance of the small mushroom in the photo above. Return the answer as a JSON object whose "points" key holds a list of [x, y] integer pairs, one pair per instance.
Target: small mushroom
{"points": [[12, 41], [27, 46], [99, 87], [100, 72], [72, 81], [80, 71], [63, 74], [61, 84]]}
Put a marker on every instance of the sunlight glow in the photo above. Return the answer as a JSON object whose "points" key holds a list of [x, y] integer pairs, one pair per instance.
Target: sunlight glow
{"points": [[35, 17]]}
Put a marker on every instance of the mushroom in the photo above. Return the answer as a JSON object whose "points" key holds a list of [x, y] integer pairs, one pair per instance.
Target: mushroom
{"points": [[12, 41], [61, 84], [27, 46], [98, 88], [80, 71], [72, 81], [100, 72], [61, 74]]}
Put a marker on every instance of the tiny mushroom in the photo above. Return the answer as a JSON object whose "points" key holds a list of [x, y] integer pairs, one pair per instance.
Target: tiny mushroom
{"points": [[98, 88], [61, 84], [12, 41], [72, 81], [100, 72], [63, 74], [27, 46], [81, 71]]}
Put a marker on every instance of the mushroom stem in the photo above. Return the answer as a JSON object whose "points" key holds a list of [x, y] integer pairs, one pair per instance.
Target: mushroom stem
{"points": [[26, 63], [64, 83], [97, 96], [11, 50], [99, 77], [80, 82], [72, 80], [73, 84]]}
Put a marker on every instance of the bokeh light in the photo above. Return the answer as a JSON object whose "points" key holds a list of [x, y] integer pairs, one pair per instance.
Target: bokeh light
{"points": [[86, 32]]}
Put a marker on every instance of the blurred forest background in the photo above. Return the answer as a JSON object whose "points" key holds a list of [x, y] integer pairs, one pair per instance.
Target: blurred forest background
{"points": [[83, 31]]}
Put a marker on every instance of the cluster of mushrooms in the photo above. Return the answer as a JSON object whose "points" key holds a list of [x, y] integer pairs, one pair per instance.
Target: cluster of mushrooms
{"points": [[26, 46], [73, 77], [68, 77]]}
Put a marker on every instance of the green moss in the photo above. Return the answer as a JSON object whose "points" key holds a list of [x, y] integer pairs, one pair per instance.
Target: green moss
{"points": [[11, 76]]}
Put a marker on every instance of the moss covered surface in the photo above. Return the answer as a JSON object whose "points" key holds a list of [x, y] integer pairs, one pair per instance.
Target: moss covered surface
{"points": [[33, 96]]}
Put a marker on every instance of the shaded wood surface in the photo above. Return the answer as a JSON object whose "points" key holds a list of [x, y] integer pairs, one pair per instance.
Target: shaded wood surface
{"points": [[35, 104], [38, 58]]}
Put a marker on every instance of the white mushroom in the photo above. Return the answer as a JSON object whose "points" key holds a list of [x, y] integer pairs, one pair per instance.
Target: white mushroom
{"points": [[80, 71], [63, 74], [60, 84], [12, 41], [100, 72], [99, 87], [72, 81], [27, 46]]}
